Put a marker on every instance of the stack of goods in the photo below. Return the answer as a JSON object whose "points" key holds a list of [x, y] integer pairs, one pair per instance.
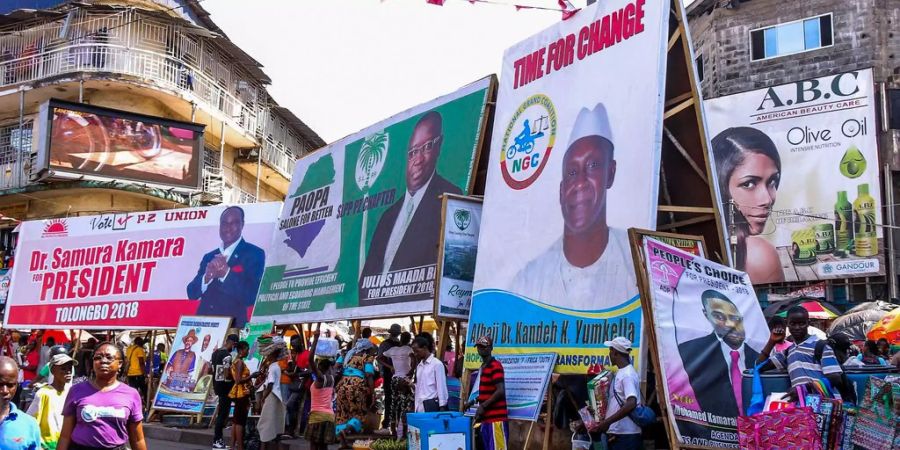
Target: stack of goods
{"points": [[877, 424]]}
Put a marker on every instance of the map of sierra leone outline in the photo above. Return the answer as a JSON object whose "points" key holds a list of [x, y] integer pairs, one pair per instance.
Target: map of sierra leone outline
{"points": [[318, 175]]}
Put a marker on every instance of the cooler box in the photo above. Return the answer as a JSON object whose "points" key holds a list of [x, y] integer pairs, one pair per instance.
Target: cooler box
{"points": [[859, 376], [439, 431], [772, 381]]}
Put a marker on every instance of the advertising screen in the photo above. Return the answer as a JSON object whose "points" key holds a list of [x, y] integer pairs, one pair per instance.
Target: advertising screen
{"points": [[106, 143]]}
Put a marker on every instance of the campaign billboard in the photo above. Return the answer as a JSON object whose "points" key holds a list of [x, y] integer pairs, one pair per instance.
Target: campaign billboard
{"points": [[84, 140], [140, 270], [187, 375], [574, 162], [709, 328], [456, 256], [358, 234], [797, 175]]}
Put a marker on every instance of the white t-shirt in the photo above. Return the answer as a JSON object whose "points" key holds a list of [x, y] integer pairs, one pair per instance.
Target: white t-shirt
{"points": [[47, 408], [273, 378], [608, 282], [625, 385], [400, 359]]}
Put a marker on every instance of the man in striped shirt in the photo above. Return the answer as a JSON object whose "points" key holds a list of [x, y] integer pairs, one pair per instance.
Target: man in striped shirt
{"points": [[804, 366], [491, 399]]}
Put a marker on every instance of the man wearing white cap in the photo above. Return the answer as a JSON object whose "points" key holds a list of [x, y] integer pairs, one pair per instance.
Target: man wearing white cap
{"points": [[624, 397], [47, 406], [589, 267]]}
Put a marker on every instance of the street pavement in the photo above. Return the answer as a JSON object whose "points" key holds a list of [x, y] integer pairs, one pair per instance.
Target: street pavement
{"points": [[155, 444]]}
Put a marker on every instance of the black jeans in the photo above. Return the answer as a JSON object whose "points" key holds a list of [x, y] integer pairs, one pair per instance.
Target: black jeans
{"points": [[222, 413], [140, 383], [388, 398]]}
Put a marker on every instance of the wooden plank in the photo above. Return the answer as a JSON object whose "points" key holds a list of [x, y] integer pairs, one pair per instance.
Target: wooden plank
{"points": [[684, 223], [674, 39], [687, 157], [686, 209], [678, 99], [678, 108], [787, 266]]}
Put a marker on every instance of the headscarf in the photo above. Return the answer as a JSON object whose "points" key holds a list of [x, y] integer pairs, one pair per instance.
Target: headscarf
{"points": [[362, 345], [269, 343]]}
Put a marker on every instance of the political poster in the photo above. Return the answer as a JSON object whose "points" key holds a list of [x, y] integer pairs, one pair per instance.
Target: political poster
{"points": [[574, 162], [709, 328], [250, 334], [140, 270], [358, 234], [187, 375], [456, 256], [525, 379], [797, 175]]}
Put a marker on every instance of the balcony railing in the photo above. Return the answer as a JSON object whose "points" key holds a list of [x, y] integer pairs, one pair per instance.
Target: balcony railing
{"points": [[148, 66], [278, 158]]}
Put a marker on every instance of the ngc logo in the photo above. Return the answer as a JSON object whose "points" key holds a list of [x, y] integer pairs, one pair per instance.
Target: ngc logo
{"points": [[55, 228], [528, 141]]}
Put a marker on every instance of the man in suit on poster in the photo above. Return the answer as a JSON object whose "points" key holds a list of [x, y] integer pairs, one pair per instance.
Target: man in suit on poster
{"points": [[407, 233], [228, 278], [714, 363]]}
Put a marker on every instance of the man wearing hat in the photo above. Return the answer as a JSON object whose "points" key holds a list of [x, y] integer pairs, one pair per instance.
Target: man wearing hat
{"points": [[387, 374], [47, 406], [181, 364], [624, 397], [491, 398], [589, 267]]}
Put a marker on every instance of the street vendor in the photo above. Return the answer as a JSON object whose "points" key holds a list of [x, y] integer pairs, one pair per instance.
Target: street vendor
{"points": [[804, 366]]}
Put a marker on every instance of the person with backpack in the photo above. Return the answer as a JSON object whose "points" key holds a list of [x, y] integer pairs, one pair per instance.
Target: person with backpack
{"points": [[622, 432], [808, 360]]}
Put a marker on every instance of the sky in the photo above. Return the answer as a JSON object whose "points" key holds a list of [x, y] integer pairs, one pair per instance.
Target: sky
{"points": [[342, 65]]}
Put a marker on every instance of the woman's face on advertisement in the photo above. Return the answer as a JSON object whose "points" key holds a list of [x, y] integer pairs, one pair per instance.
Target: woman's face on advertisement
{"points": [[753, 186]]}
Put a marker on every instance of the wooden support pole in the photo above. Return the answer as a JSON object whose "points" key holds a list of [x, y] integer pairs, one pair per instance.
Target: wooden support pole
{"points": [[421, 324], [548, 422], [412, 326]]}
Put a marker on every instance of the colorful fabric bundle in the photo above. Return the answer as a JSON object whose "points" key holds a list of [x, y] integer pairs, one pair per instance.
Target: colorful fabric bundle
{"points": [[784, 429], [877, 426]]}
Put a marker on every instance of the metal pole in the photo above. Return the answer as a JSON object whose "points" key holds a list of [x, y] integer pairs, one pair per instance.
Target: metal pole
{"points": [[258, 170], [889, 234], [193, 111], [81, 90], [222, 149], [732, 233], [19, 153]]}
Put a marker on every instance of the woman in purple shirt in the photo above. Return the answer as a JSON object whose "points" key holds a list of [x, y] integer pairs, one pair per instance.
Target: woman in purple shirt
{"points": [[103, 414]]}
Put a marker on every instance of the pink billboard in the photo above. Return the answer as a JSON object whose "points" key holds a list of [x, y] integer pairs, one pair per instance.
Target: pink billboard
{"points": [[140, 270]]}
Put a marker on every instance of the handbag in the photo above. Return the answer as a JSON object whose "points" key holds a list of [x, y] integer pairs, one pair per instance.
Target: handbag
{"points": [[783, 429], [641, 415], [876, 426]]}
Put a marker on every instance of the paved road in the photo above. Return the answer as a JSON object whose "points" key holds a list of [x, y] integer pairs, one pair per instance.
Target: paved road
{"points": [[153, 444]]}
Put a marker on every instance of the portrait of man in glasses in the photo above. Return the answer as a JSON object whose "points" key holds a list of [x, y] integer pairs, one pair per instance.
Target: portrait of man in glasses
{"points": [[407, 233]]}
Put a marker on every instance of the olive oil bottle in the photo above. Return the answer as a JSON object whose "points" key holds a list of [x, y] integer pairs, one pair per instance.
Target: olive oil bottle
{"points": [[865, 238], [843, 225]]}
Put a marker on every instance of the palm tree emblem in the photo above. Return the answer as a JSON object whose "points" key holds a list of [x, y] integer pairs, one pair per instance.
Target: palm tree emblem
{"points": [[372, 155], [462, 218]]}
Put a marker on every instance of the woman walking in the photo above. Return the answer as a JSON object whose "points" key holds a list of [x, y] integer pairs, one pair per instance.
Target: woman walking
{"points": [[355, 390], [103, 414], [240, 393], [271, 419], [320, 429]]}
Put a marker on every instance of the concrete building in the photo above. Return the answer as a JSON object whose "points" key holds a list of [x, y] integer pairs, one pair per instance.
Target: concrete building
{"points": [[161, 58], [742, 45]]}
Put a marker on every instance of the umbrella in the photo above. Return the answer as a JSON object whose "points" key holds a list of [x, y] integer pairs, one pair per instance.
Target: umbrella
{"points": [[817, 310], [888, 327], [877, 305], [813, 331], [855, 325]]}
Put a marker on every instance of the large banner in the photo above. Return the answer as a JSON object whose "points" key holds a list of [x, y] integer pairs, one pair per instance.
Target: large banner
{"points": [[457, 254], [574, 162], [358, 234], [187, 376], [709, 329], [140, 270], [799, 164]]}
